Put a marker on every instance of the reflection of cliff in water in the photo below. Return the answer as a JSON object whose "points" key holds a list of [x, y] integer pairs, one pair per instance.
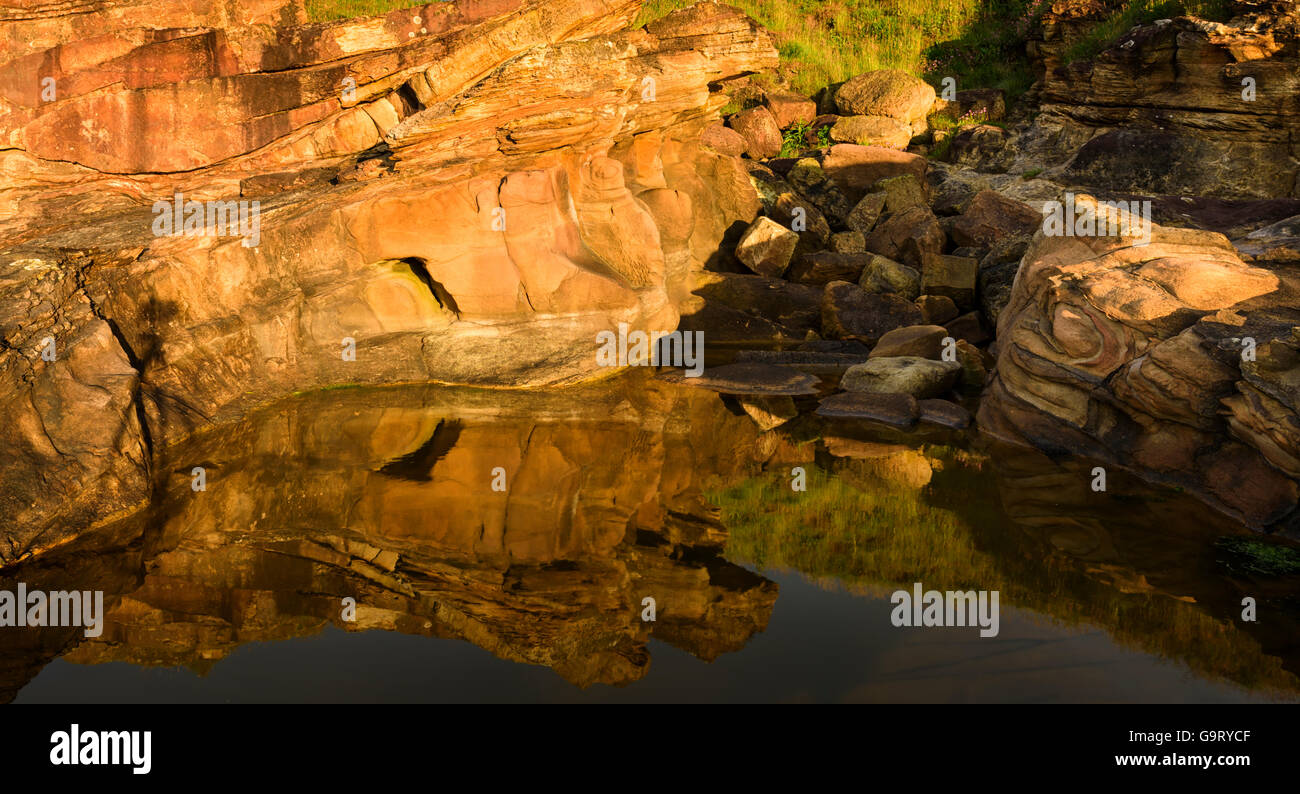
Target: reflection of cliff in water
{"points": [[386, 496], [1136, 561]]}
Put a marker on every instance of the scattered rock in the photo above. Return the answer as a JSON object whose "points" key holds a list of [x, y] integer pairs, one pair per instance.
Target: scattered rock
{"points": [[977, 146], [856, 168], [810, 180], [919, 377], [849, 243], [885, 275], [991, 217], [910, 237], [887, 92], [901, 193], [950, 276], [969, 327], [973, 369], [872, 131], [723, 140], [850, 312], [921, 341], [767, 247], [862, 218], [937, 309], [944, 414], [789, 109], [758, 128], [894, 410], [824, 267]]}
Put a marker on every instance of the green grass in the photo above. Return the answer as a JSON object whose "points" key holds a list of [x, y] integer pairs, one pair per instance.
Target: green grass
{"points": [[980, 44], [327, 10]]}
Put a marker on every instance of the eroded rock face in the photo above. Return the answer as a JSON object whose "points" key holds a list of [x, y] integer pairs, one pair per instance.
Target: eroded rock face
{"points": [[469, 198], [1141, 355], [1181, 106]]}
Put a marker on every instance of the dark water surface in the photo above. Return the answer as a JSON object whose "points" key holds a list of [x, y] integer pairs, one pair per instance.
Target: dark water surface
{"points": [[631, 489]]}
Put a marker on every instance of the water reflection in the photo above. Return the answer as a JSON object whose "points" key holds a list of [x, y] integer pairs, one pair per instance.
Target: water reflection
{"points": [[606, 495]]}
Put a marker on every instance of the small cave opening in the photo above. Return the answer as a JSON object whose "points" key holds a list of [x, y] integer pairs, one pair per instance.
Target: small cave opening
{"points": [[439, 292]]}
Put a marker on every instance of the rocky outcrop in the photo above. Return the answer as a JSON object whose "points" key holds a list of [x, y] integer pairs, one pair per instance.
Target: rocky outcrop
{"points": [[1174, 358], [461, 192], [1182, 106]]}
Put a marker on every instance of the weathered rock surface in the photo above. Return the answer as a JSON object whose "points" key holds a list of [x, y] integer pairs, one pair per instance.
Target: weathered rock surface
{"points": [[1142, 356], [889, 93], [467, 199], [1181, 106], [850, 312]]}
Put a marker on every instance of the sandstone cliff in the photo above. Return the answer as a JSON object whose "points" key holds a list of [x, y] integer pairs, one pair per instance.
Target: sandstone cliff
{"points": [[463, 192]]}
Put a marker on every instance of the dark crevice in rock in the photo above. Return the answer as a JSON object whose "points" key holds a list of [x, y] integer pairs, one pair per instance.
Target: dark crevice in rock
{"points": [[440, 293], [137, 390]]}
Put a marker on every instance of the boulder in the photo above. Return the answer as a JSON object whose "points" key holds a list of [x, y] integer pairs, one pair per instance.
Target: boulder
{"points": [[723, 140], [942, 413], [919, 377], [882, 274], [824, 267], [810, 180], [862, 218], [849, 243], [911, 237], [950, 276], [901, 193], [892, 410], [1128, 353], [856, 168], [887, 92], [767, 247], [937, 309], [978, 146], [790, 109], [991, 217], [850, 312], [921, 341], [760, 131], [872, 131]]}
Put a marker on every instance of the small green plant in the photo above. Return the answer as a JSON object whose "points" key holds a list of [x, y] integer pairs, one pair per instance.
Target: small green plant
{"points": [[803, 136], [1251, 556], [1031, 173]]}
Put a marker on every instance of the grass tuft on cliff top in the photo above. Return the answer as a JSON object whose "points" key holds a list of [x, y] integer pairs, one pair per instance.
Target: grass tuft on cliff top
{"points": [[979, 43], [329, 10]]}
